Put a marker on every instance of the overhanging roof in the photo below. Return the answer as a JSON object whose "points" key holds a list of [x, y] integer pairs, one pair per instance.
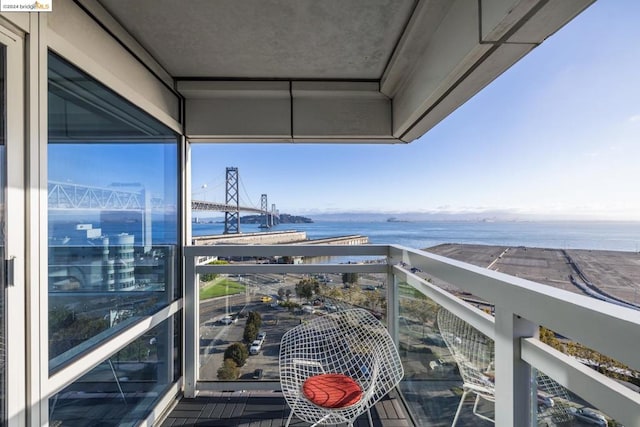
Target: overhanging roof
{"points": [[327, 70]]}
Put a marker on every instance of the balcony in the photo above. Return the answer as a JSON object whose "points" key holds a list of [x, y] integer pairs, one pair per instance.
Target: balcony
{"points": [[414, 286]]}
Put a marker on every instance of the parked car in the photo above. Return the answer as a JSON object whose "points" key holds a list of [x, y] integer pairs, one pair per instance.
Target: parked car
{"points": [[227, 320], [261, 337], [434, 339], [545, 401], [589, 416], [255, 347], [266, 298], [257, 374], [330, 307]]}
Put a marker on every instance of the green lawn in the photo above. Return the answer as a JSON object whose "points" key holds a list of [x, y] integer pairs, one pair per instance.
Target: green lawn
{"points": [[220, 287]]}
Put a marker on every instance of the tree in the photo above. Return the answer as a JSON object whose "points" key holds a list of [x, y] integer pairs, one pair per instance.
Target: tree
{"points": [[207, 277], [254, 318], [375, 299], [237, 352], [250, 332], [68, 329], [287, 293], [548, 337], [229, 370], [281, 293], [424, 309], [350, 278], [332, 292], [306, 288]]}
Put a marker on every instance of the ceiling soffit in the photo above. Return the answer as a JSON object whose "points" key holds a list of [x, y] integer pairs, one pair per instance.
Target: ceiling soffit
{"points": [[267, 39], [332, 71]]}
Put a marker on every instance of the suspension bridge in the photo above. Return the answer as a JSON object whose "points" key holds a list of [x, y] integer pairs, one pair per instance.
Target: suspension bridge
{"points": [[133, 197], [232, 208]]}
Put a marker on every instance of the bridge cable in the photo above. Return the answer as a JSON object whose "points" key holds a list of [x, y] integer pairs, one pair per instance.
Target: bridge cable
{"points": [[251, 204]]}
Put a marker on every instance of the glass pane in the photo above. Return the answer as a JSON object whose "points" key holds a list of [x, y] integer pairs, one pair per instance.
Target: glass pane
{"points": [[3, 186], [433, 381], [113, 217], [253, 311], [449, 370], [124, 388], [562, 404]]}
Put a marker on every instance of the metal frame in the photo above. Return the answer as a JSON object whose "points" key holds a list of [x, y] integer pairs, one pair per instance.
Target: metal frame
{"points": [[15, 222], [153, 99]]}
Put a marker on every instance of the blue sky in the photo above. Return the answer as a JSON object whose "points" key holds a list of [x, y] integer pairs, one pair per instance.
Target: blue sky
{"points": [[558, 135]]}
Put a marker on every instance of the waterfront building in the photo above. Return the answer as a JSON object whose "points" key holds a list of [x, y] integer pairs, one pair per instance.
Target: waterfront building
{"points": [[108, 334]]}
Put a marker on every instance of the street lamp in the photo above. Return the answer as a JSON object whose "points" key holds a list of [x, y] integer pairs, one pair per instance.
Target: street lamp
{"points": [[226, 298]]}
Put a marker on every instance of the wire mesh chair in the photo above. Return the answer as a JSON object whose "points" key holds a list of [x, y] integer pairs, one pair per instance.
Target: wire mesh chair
{"points": [[336, 367], [474, 354]]}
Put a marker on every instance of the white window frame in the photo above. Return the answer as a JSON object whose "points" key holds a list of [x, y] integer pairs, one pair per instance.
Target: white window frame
{"points": [[15, 228]]}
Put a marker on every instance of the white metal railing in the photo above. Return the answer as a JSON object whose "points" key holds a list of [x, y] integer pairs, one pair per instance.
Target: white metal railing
{"points": [[520, 307]]}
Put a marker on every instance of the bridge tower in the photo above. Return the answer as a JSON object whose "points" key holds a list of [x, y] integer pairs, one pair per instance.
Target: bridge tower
{"points": [[232, 218], [274, 220], [264, 207]]}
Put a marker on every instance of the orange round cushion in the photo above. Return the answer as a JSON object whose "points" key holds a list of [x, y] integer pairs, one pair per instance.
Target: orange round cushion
{"points": [[332, 390]]}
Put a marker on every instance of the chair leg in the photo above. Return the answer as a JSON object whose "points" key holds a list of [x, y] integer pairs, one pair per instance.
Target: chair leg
{"points": [[479, 415], [289, 419], [455, 419], [320, 421], [370, 419]]}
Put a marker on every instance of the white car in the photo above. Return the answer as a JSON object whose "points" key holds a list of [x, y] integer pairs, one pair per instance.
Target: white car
{"points": [[255, 347], [589, 416], [227, 320], [438, 364]]}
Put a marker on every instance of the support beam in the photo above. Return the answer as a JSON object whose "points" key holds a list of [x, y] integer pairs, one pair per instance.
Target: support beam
{"points": [[514, 380]]}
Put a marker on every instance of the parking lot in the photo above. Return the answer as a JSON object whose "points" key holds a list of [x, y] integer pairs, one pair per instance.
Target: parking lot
{"points": [[215, 337]]}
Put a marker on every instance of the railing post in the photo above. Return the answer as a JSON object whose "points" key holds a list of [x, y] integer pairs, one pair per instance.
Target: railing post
{"points": [[191, 326], [513, 376], [393, 306]]}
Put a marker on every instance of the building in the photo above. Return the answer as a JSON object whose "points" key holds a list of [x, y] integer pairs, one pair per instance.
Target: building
{"points": [[106, 79]]}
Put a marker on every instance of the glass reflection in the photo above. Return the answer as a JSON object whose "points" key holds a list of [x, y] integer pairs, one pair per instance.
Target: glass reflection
{"points": [[112, 213], [123, 389]]}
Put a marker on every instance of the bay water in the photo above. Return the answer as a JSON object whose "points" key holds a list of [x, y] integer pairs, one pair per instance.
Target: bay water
{"points": [[595, 235]]}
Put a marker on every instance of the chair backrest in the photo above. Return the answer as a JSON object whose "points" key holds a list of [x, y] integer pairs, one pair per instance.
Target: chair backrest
{"points": [[350, 342], [472, 351]]}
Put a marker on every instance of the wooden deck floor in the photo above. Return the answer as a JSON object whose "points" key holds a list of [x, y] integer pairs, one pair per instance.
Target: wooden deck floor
{"points": [[262, 409]]}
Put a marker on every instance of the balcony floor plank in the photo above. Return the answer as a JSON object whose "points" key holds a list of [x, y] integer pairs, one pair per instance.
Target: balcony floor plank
{"points": [[260, 409]]}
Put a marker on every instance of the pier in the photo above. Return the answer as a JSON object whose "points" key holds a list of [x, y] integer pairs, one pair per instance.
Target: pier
{"points": [[278, 238]]}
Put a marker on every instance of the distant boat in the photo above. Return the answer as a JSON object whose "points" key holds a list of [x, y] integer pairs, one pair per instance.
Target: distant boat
{"points": [[394, 219]]}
